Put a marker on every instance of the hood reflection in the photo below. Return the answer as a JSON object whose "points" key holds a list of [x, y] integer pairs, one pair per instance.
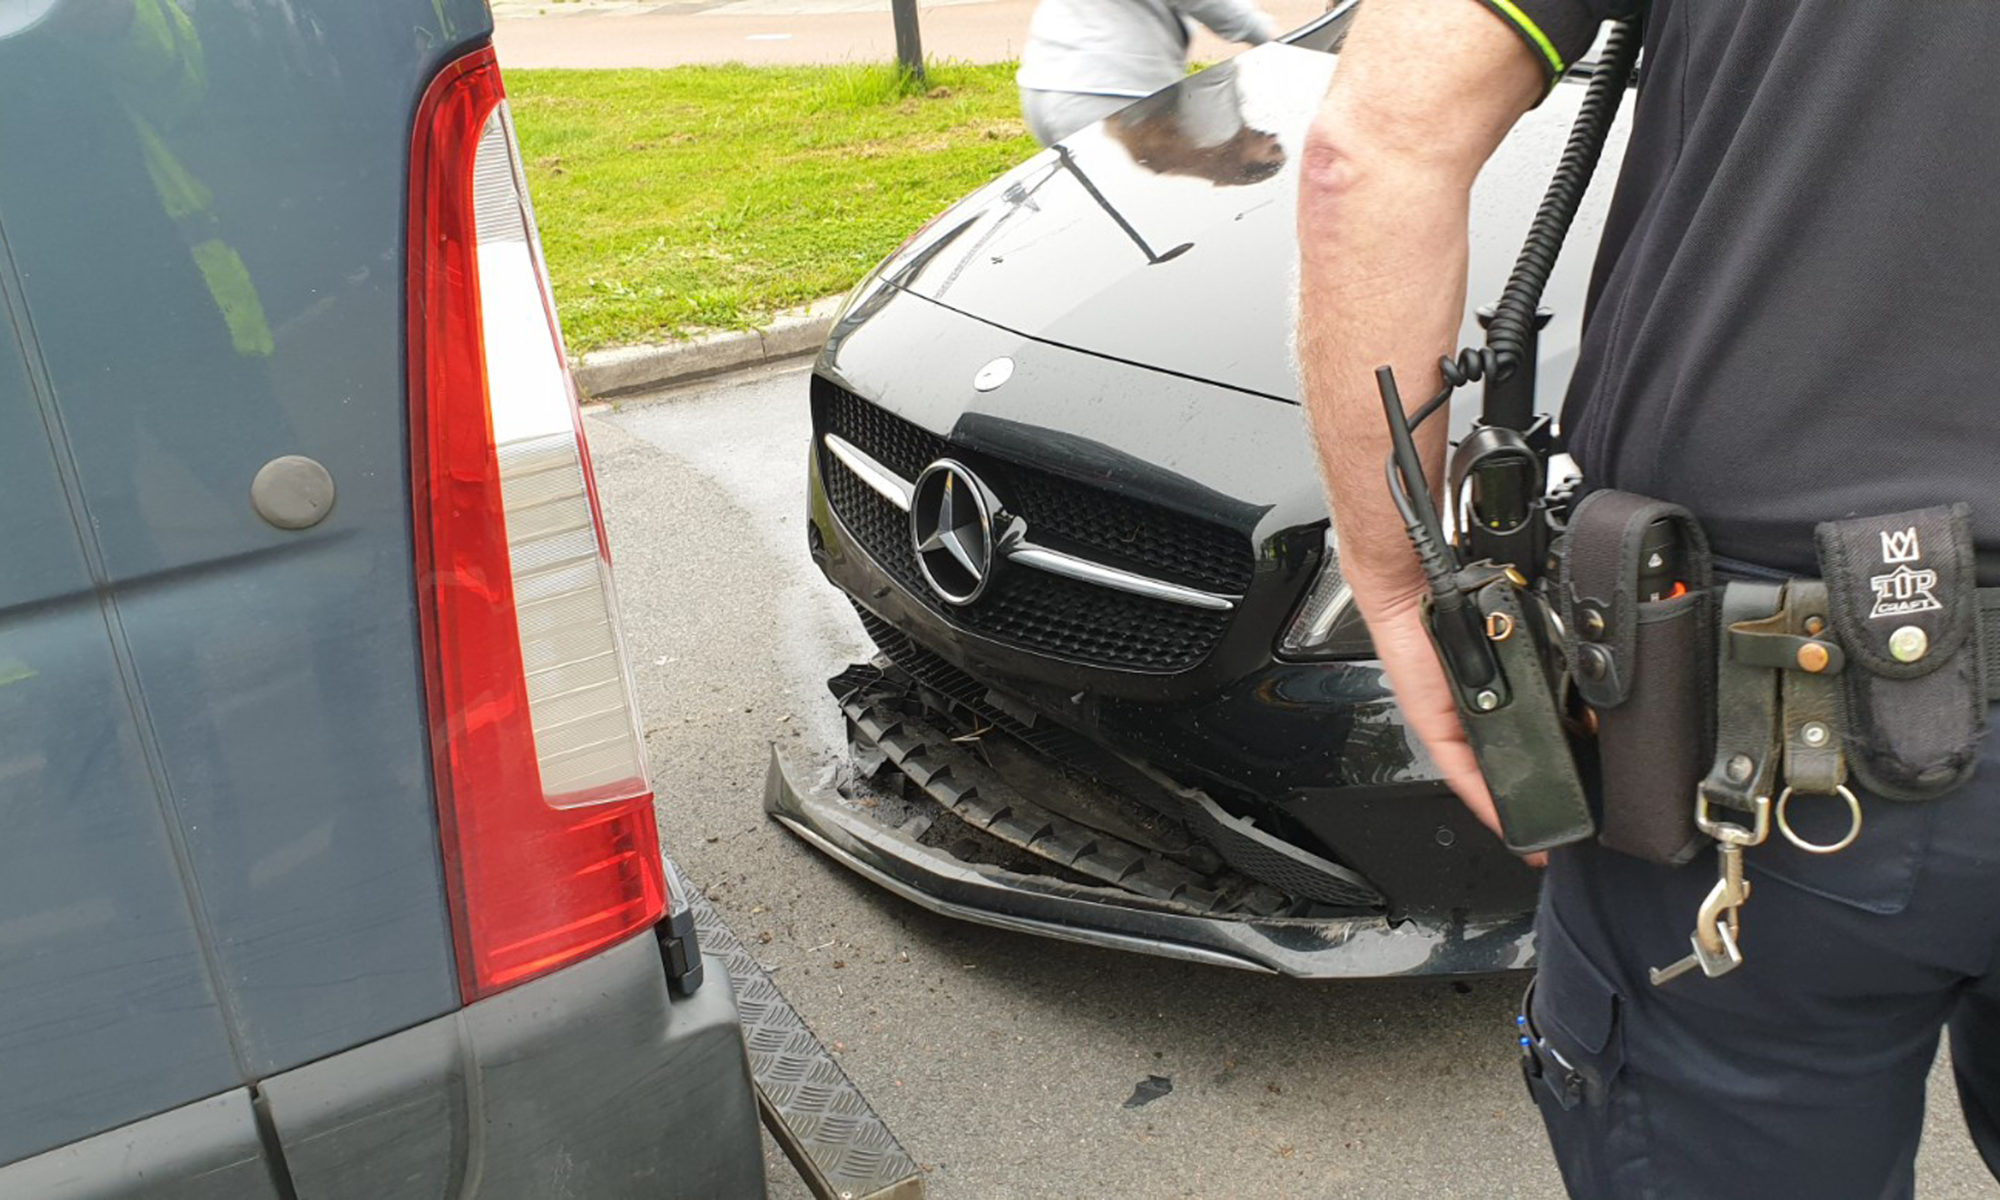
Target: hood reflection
{"points": [[1154, 258], [1198, 129], [1118, 242]]}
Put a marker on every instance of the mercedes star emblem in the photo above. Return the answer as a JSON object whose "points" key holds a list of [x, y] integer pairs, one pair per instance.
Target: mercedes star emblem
{"points": [[993, 374], [951, 522]]}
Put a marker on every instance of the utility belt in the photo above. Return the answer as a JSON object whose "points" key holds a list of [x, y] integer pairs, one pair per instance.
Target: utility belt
{"points": [[1705, 709], [1876, 670]]}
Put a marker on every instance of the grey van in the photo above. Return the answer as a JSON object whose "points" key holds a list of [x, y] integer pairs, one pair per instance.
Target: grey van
{"points": [[328, 863]]}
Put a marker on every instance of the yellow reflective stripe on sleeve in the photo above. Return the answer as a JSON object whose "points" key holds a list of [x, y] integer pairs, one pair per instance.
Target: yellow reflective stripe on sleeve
{"points": [[1534, 32]]}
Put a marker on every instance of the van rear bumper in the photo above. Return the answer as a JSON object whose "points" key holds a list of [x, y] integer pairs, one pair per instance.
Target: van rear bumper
{"points": [[594, 1081]]}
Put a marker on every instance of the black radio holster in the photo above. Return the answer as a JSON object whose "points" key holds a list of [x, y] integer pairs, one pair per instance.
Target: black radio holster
{"points": [[1515, 722], [1642, 667]]}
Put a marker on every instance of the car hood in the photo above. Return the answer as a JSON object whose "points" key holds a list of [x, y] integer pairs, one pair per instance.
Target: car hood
{"points": [[1164, 235]]}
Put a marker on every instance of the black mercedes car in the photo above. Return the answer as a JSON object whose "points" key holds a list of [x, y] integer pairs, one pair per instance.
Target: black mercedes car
{"points": [[1058, 465]]}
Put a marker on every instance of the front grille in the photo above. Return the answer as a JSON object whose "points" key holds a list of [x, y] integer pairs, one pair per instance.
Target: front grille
{"points": [[881, 527], [1153, 540], [1035, 610], [898, 445], [1145, 537]]}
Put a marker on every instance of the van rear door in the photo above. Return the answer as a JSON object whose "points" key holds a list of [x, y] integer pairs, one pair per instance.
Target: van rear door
{"points": [[220, 855]]}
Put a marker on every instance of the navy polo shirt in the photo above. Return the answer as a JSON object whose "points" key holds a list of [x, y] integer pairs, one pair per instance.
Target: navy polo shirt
{"points": [[1793, 313]]}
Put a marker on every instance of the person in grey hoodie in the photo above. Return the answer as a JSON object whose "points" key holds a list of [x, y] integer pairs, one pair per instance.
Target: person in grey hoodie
{"points": [[1086, 59]]}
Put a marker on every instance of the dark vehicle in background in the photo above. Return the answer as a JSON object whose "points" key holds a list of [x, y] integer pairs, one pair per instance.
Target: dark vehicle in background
{"points": [[329, 864], [1058, 466]]}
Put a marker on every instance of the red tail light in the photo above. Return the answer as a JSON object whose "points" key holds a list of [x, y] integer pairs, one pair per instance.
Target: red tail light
{"points": [[550, 848]]}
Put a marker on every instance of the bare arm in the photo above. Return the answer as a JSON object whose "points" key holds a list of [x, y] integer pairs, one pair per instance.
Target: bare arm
{"points": [[1424, 93]]}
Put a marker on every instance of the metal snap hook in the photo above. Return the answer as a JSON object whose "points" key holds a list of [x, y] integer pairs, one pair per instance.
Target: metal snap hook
{"points": [[1729, 831], [1853, 830]]}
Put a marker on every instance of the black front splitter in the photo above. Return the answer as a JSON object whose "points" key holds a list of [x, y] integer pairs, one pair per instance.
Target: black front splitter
{"points": [[1361, 947]]}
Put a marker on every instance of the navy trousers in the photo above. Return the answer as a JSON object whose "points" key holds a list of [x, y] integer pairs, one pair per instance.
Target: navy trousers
{"points": [[1802, 1072]]}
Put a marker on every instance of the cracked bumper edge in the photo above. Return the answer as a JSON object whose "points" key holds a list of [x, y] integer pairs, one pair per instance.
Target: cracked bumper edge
{"points": [[1306, 948]]}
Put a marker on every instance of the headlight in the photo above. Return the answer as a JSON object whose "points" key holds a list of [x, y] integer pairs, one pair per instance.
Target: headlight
{"points": [[1327, 624]]}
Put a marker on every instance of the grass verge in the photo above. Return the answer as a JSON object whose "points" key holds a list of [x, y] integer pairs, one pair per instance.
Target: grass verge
{"points": [[711, 197]]}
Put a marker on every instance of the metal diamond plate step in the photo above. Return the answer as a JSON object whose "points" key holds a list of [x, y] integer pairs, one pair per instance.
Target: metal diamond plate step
{"points": [[837, 1143]]}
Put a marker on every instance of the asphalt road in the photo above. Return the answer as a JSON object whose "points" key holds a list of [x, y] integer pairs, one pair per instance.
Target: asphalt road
{"points": [[1004, 1062]]}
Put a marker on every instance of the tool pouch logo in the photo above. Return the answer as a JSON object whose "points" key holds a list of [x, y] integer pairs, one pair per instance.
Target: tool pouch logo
{"points": [[1907, 589]]}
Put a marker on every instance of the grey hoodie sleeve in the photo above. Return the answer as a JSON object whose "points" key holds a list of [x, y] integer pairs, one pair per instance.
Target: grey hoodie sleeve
{"points": [[1237, 20]]}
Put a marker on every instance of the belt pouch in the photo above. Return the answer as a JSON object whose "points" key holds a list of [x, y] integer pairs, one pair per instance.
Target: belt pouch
{"points": [[1644, 667], [1904, 601]]}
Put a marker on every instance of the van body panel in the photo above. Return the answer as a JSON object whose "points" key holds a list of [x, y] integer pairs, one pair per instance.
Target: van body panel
{"points": [[38, 536], [107, 1009], [594, 1081], [226, 961], [208, 1150], [222, 857]]}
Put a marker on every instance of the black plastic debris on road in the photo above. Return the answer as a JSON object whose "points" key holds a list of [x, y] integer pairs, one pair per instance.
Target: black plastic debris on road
{"points": [[1149, 1089]]}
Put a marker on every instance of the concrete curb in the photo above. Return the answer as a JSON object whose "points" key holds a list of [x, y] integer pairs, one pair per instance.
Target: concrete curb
{"points": [[625, 369]]}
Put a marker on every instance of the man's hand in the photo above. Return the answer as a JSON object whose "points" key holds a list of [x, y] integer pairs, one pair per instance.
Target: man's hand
{"points": [[1424, 92], [1397, 627], [1425, 697]]}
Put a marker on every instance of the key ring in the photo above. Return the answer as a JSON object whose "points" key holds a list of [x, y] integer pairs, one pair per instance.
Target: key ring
{"points": [[1853, 830]]}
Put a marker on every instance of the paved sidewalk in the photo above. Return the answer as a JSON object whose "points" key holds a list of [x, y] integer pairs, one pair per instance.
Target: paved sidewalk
{"points": [[652, 33]]}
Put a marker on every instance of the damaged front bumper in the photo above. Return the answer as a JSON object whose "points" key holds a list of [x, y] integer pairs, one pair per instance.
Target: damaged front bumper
{"points": [[1367, 945]]}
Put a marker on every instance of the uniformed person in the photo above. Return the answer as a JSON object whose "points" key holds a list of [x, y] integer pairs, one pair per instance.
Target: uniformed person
{"points": [[1791, 320]]}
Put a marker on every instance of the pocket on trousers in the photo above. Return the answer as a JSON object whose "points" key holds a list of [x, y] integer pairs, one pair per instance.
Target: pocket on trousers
{"points": [[1877, 874], [1573, 1045]]}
